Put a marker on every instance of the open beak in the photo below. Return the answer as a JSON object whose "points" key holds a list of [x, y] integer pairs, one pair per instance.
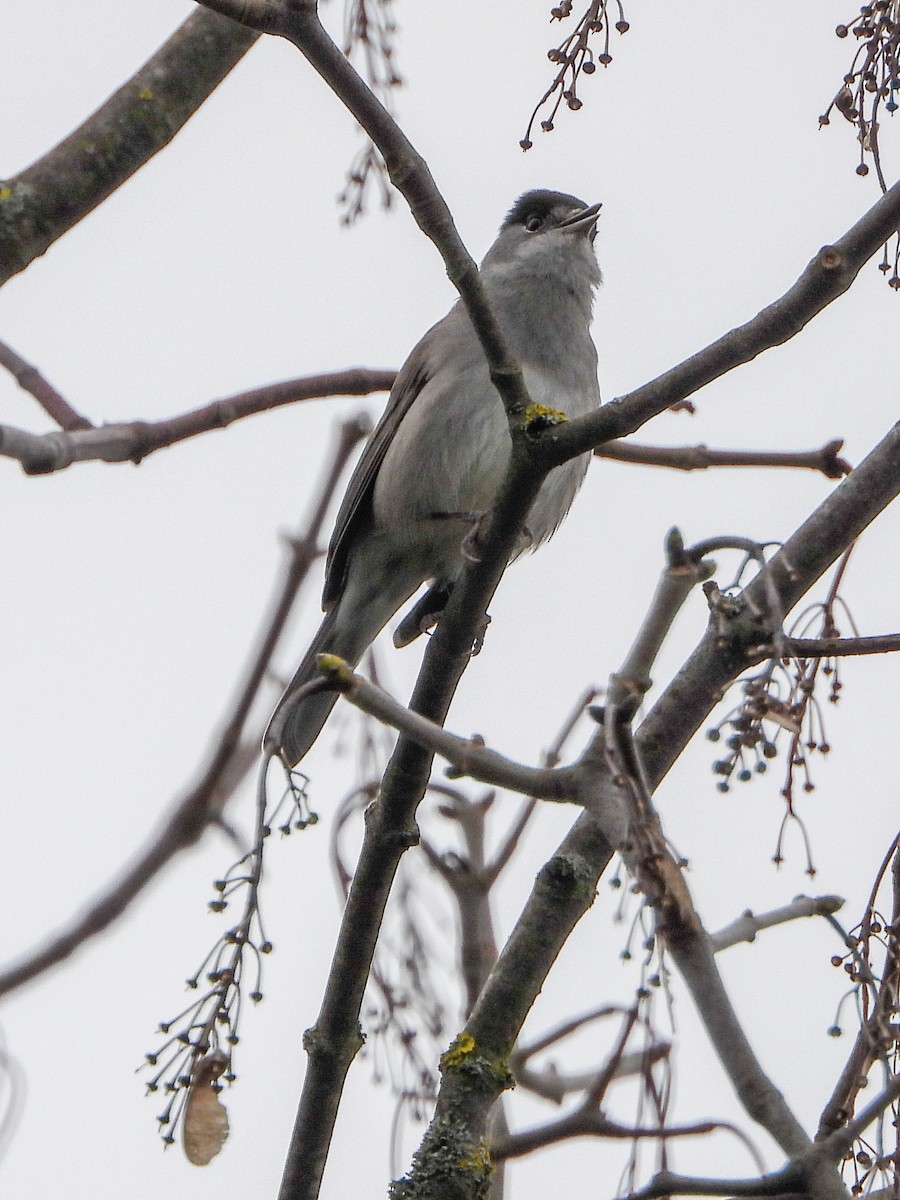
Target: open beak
{"points": [[583, 221]]}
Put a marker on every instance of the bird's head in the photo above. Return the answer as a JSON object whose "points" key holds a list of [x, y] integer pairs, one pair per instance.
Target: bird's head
{"points": [[545, 230]]}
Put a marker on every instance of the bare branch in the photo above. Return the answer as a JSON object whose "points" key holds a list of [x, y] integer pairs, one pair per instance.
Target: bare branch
{"points": [[701, 458], [42, 453], [784, 1184], [469, 756], [521, 1054], [32, 381], [408, 171], [203, 803], [837, 1144], [883, 643], [582, 1123], [683, 571], [556, 1085], [53, 194], [661, 880], [828, 275], [749, 924]]}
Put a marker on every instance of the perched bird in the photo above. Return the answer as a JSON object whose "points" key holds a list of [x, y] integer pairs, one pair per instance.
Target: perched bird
{"points": [[440, 452]]}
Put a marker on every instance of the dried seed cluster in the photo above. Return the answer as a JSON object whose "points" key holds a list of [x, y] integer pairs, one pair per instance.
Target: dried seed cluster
{"points": [[575, 56]]}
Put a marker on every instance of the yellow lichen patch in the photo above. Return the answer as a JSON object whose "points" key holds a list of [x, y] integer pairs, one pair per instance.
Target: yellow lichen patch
{"points": [[145, 94], [462, 1046], [540, 417], [543, 415], [478, 1159], [5, 193], [334, 666]]}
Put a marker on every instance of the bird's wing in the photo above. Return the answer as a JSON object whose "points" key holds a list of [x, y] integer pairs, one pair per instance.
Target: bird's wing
{"points": [[356, 508]]}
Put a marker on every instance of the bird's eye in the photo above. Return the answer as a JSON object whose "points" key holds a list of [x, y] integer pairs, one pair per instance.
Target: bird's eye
{"points": [[533, 224]]}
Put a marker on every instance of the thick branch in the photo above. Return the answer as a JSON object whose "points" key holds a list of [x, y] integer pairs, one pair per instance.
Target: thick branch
{"points": [[566, 885], [49, 197], [828, 275]]}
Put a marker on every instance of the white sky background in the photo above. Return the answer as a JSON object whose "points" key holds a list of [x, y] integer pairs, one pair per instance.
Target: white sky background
{"points": [[130, 597]]}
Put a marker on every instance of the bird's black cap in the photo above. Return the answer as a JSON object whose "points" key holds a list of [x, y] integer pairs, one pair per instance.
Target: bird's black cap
{"points": [[539, 203]]}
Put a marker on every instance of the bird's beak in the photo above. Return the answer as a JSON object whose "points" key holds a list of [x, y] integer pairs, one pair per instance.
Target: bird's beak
{"points": [[583, 221]]}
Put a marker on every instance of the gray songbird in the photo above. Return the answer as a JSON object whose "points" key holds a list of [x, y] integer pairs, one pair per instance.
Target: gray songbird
{"points": [[439, 453]]}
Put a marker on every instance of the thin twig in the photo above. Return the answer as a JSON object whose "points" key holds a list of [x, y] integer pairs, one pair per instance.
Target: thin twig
{"points": [[202, 805], [29, 378], [132, 441], [883, 643], [555, 1085], [585, 1123], [468, 756], [829, 274], [749, 924], [700, 458]]}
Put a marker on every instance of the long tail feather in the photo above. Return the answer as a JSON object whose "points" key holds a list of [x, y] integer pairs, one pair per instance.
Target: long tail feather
{"points": [[296, 724]]}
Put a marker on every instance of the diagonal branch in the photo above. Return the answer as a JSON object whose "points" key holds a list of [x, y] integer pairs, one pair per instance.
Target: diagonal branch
{"points": [[468, 756], [46, 199], [298, 22], [203, 803], [828, 275], [29, 378]]}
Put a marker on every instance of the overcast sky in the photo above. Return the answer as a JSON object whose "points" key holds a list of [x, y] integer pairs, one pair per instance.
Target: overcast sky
{"points": [[130, 596]]}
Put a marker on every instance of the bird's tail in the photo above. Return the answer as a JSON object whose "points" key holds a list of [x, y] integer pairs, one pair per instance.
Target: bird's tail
{"points": [[297, 722]]}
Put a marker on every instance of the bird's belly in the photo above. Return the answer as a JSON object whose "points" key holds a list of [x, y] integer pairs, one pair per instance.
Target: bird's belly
{"points": [[446, 464]]}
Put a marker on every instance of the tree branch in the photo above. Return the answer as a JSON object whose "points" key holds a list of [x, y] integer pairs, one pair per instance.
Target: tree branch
{"points": [[42, 453], [749, 924], [884, 643], [53, 194], [469, 756], [298, 21], [829, 274], [701, 458], [783, 1183], [32, 381], [584, 1123], [203, 803]]}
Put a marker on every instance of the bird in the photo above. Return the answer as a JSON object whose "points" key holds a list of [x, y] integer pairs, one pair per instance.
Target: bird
{"points": [[437, 457]]}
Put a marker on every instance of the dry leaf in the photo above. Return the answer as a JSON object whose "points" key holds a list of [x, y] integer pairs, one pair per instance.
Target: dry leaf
{"points": [[205, 1119]]}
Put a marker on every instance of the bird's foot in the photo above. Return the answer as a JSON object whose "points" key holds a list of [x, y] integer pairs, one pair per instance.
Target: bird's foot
{"points": [[469, 547], [423, 615]]}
